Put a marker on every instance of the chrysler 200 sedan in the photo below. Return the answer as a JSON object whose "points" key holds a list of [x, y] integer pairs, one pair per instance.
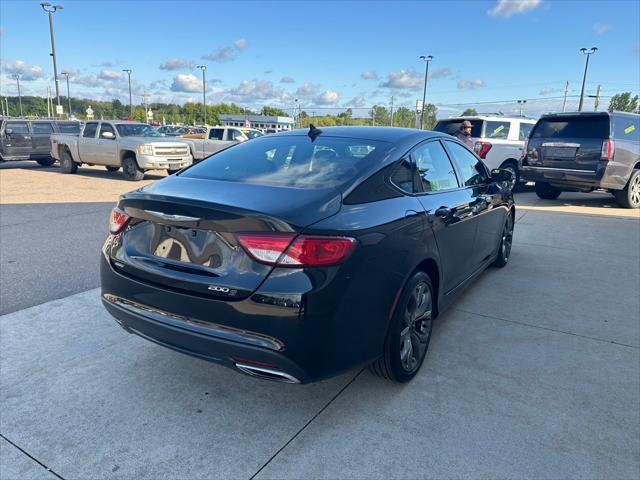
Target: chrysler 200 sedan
{"points": [[298, 256]]}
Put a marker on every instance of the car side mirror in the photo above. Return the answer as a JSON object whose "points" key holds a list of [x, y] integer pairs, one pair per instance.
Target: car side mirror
{"points": [[108, 135], [8, 131], [498, 175]]}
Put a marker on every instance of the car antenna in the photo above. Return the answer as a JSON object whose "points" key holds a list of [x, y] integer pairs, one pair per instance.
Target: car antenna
{"points": [[313, 131]]}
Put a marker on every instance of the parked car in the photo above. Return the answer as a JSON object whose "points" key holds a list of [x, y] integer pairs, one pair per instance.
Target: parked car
{"points": [[291, 258], [584, 152], [218, 138], [498, 140], [22, 139], [136, 147]]}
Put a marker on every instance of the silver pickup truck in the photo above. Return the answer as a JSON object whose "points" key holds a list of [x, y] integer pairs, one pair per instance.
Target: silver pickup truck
{"points": [[136, 147], [216, 139]]}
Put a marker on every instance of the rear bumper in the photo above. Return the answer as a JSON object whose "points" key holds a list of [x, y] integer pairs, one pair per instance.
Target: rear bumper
{"points": [[572, 178]]}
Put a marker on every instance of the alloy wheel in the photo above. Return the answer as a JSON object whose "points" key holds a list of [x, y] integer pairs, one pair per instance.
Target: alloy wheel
{"points": [[414, 337], [635, 190], [507, 238]]}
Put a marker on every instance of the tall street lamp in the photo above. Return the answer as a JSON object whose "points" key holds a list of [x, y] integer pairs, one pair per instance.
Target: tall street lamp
{"points": [[128, 70], [204, 91], [296, 117], [17, 77], [521, 104], [426, 59], [66, 74], [47, 7], [584, 78]]}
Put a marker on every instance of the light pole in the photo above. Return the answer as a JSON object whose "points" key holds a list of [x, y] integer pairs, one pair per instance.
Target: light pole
{"points": [[17, 77], [521, 104], [426, 59], [584, 78], [46, 6], [204, 91], [128, 70], [66, 74], [296, 118]]}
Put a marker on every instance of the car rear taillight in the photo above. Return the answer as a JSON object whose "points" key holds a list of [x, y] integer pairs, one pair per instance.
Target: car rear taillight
{"points": [[117, 221], [482, 148], [608, 150], [287, 250]]}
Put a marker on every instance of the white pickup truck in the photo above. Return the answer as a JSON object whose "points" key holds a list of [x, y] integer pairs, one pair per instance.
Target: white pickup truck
{"points": [[136, 147], [216, 139]]}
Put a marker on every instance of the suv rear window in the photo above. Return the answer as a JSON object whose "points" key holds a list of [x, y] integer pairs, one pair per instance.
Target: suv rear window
{"points": [[453, 126], [291, 161], [572, 127]]}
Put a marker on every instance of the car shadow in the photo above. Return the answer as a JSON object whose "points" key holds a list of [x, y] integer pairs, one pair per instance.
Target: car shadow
{"points": [[85, 171]]}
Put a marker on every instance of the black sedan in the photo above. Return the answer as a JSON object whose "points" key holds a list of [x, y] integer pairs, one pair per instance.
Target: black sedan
{"points": [[300, 255]]}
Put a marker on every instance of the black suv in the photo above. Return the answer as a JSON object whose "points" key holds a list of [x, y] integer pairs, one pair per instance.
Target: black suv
{"points": [[22, 139], [584, 152]]}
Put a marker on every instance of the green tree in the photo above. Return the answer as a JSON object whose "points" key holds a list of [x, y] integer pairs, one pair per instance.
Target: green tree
{"points": [[404, 117], [430, 119], [380, 115], [469, 112], [623, 102], [273, 112]]}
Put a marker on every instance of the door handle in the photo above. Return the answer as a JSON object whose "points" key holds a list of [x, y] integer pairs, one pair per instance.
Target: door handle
{"points": [[443, 212]]}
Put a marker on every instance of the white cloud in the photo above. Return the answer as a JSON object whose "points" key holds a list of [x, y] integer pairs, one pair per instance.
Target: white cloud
{"points": [[369, 75], [176, 64], [601, 28], [256, 90], [358, 101], [26, 71], [110, 75], [506, 8], [240, 43], [471, 84], [307, 90], [286, 79], [327, 98], [550, 90], [221, 55], [403, 79], [186, 83]]}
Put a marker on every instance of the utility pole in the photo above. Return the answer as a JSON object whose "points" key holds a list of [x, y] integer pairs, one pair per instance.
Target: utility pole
{"points": [[584, 78], [391, 123], [68, 94], [566, 90], [427, 59], [128, 70], [204, 92], [17, 77], [46, 6], [597, 97]]}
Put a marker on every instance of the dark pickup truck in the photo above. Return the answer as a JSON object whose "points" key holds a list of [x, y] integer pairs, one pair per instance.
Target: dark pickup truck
{"points": [[584, 152], [22, 139]]}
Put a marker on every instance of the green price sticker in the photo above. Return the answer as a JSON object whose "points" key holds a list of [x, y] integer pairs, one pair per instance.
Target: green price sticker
{"points": [[629, 129], [498, 129]]}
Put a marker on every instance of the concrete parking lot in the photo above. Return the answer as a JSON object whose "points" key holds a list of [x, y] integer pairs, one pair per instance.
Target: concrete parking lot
{"points": [[534, 373]]}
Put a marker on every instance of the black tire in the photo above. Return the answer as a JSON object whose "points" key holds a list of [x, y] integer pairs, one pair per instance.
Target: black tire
{"points": [[112, 168], [510, 166], [131, 170], [171, 172], [67, 165], [506, 240], [46, 162], [546, 191], [409, 332], [629, 196]]}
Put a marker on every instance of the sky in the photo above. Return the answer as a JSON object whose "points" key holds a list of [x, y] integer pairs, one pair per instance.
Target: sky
{"points": [[328, 55]]}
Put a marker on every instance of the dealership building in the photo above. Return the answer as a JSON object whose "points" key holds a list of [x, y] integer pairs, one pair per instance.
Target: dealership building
{"points": [[261, 122]]}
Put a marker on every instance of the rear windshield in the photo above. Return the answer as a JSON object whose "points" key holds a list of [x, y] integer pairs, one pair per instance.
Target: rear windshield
{"points": [[69, 127], [572, 127], [453, 126], [292, 161]]}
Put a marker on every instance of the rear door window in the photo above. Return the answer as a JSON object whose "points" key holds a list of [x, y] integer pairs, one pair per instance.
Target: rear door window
{"points": [[453, 126], [626, 127], [525, 130], [402, 176], [216, 134], [499, 130], [90, 130], [470, 167], [592, 126], [69, 127], [20, 128], [42, 127], [434, 168]]}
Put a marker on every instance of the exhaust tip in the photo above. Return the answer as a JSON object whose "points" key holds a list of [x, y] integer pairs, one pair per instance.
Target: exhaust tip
{"points": [[266, 373]]}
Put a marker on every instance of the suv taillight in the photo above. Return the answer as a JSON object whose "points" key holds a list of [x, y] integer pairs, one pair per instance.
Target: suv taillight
{"points": [[286, 250], [482, 148], [117, 221], [608, 150]]}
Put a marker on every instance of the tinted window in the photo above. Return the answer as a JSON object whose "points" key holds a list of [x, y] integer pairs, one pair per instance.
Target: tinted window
{"points": [[453, 126], [525, 130], [626, 127], [18, 127], [496, 129], [434, 168], [471, 169], [572, 127], [216, 133], [106, 127], [137, 130], [402, 176], [70, 127], [236, 136], [42, 127], [90, 130], [294, 161]]}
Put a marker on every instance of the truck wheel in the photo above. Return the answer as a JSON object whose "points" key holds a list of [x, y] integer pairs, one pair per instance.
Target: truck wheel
{"points": [[171, 172], [131, 170], [46, 162], [112, 169], [546, 191], [629, 196], [67, 165]]}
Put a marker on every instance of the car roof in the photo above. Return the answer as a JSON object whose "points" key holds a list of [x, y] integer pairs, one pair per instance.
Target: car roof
{"points": [[488, 117], [386, 134]]}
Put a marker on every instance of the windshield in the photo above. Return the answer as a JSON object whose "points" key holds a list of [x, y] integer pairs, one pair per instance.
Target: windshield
{"points": [[252, 133], [292, 161], [137, 130]]}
